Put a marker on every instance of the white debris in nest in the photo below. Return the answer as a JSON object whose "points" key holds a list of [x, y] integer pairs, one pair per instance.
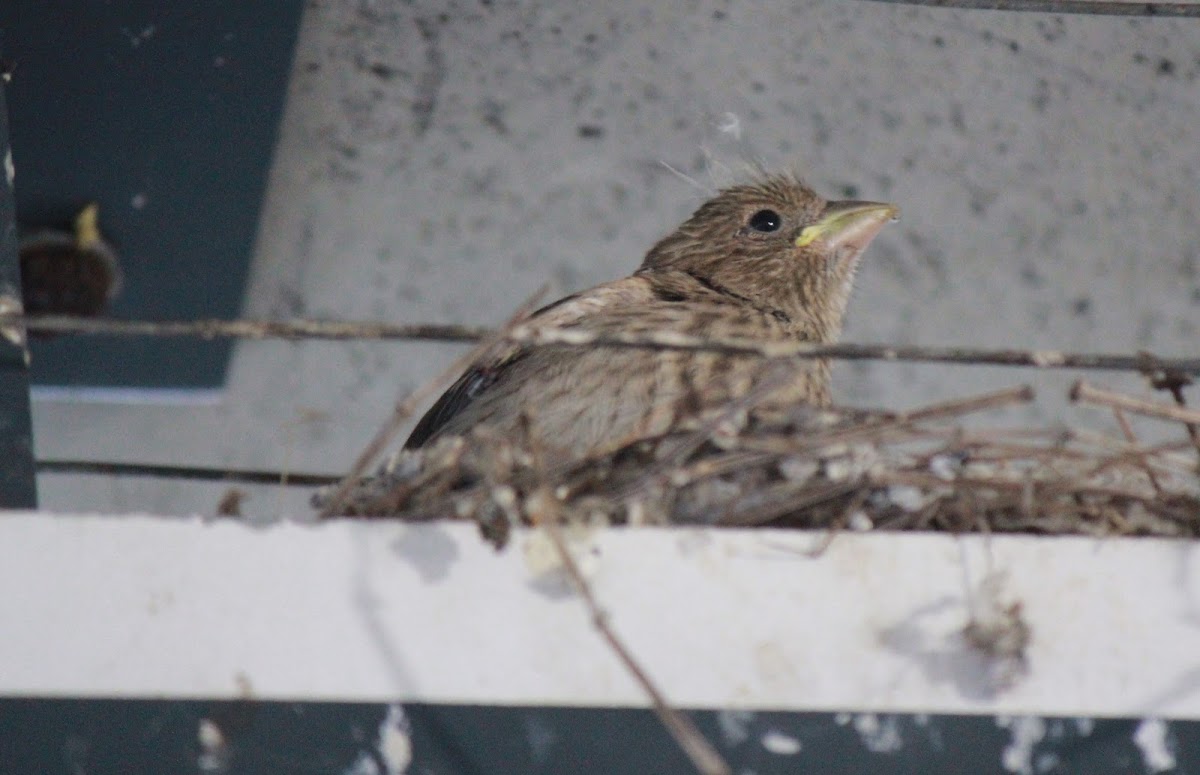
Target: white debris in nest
{"points": [[404, 463], [1153, 740], [10, 171], [798, 469], [907, 497], [945, 467], [853, 463], [859, 522], [542, 557]]}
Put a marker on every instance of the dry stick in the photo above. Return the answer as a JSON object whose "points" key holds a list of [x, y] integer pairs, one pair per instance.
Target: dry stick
{"points": [[838, 524], [1089, 7], [1132, 438], [335, 330], [704, 757], [875, 429], [201, 473], [405, 408], [544, 512], [937, 411], [342, 330], [1021, 394], [1160, 454], [1083, 392], [682, 448], [1176, 388], [1005, 484], [1043, 359]]}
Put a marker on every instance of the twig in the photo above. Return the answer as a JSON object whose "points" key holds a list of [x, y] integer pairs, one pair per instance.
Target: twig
{"points": [[679, 450], [247, 329], [1175, 383], [544, 512], [1042, 359], [1021, 394], [937, 411], [704, 757], [838, 524], [405, 408], [665, 340], [185, 472], [1132, 438], [1083, 392], [1089, 7]]}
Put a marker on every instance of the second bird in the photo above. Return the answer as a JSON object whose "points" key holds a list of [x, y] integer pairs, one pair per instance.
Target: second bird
{"points": [[768, 261]]}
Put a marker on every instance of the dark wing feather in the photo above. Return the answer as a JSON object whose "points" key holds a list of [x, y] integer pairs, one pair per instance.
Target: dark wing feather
{"points": [[454, 400], [458, 397], [468, 387]]}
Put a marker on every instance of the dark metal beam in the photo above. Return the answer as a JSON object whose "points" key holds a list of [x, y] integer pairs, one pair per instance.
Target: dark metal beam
{"points": [[17, 488]]}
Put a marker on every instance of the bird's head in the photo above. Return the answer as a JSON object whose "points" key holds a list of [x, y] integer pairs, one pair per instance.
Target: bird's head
{"points": [[778, 245]]}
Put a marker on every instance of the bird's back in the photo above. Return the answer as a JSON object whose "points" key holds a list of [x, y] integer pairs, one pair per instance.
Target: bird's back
{"points": [[584, 400]]}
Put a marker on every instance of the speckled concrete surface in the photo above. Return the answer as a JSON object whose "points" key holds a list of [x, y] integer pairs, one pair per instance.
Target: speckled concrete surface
{"points": [[441, 161]]}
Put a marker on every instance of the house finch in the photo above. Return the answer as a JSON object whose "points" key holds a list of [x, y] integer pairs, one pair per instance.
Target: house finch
{"points": [[767, 261]]}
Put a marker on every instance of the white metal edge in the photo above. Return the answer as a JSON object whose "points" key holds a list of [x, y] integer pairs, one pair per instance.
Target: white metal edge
{"points": [[143, 606]]}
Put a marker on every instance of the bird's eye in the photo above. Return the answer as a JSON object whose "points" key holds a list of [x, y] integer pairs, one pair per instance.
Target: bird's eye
{"points": [[766, 220]]}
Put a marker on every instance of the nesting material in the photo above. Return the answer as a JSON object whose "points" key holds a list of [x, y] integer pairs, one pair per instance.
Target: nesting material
{"points": [[808, 468]]}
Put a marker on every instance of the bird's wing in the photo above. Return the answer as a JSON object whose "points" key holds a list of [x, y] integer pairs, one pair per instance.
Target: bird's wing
{"points": [[457, 398], [493, 365]]}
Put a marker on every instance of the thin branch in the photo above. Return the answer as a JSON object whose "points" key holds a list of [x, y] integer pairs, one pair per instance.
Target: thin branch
{"points": [[1131, 437], [294, 329], [1042, 359], [543, 509], [703, 756], [405, 408], [526, 334], [1019, 394], [1175, 387], [1084, 392], [200, 473], [1089, 7]]}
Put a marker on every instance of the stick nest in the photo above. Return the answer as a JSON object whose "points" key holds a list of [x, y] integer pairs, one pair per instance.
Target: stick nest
{"points": [[809, 468]]}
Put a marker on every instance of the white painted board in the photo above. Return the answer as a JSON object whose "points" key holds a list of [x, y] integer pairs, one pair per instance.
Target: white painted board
{"points": [[144, 606]]}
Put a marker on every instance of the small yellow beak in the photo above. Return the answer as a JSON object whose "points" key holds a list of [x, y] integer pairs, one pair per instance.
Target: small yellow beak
{"points": [[87, 227], [848, 224]]}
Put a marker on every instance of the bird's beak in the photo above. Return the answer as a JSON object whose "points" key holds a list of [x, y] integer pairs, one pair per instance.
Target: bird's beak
{"points": [[848, 226]]}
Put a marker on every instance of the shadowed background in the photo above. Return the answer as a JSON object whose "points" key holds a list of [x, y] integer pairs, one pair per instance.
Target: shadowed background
{"points": [[438, 162]]}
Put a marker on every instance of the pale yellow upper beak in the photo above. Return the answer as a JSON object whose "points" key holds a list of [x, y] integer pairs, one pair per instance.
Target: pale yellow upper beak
{"points": [[848, 225]]}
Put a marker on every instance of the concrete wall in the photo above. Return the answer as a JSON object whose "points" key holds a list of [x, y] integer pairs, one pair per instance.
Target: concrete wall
{"points": [[439, 162]]}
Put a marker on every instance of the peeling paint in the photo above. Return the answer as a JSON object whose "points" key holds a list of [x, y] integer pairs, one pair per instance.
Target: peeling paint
{"points": [[878, 735], [1153, 739], [780, 744], [1027, 732], [735, 726], [395, 741], [214, 750]]}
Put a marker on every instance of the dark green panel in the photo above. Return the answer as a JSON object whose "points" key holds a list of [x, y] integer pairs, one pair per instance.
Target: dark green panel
{"points": [[116, 737], [165, 114], [16, 442]]}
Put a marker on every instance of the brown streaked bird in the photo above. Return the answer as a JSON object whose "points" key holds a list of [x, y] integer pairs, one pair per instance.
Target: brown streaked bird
{"points": [[769, 261]]}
